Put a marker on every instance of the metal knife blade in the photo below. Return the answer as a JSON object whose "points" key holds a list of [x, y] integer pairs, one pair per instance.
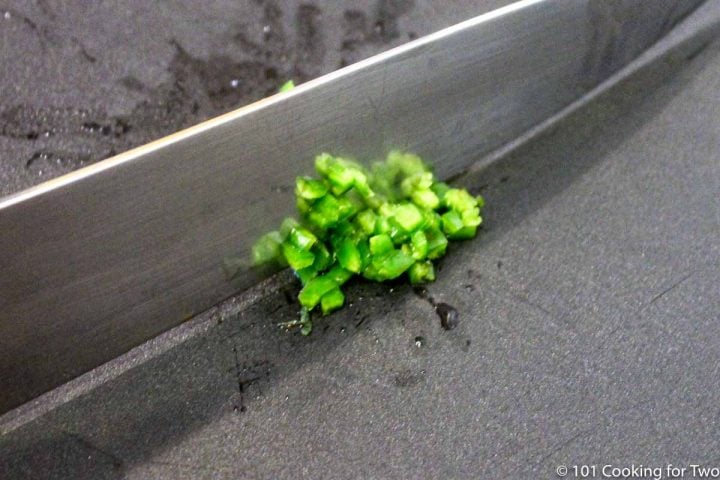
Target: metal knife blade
{"points": [[102, 259]]}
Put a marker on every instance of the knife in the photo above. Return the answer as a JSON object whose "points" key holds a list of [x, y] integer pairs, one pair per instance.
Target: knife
{"points": [[102, 259]]}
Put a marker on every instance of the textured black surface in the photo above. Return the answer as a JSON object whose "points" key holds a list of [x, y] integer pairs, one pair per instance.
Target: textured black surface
{"points": [[588, 332]]}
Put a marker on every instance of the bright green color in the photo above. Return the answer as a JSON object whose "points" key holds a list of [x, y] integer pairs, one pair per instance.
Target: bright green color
{"points": [[310, 188], [388, 265], [287, 86], [314, 289], [421, 272], [332, 300], [348, 255], [381, 243], [267, 248], [380, 223]]}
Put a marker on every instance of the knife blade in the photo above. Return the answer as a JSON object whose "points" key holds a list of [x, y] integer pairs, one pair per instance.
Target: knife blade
{"points": [[106, 257]]}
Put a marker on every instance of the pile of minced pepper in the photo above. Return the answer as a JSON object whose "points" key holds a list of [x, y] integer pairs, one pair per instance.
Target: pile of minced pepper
{"points": [[380, 223]]}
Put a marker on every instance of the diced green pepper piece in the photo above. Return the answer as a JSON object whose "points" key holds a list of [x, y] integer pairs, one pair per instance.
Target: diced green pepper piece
{"points": [[398, 234], [362, 186], [419, 245], [306, 274], [341, 174], [341, 179], [421, 272], [357, 200], [267, 248], [302, 238], [440, 189], [386, 210], [297, 258], [371, 273], [437, 243], [325, 212], [408, 216], [346, 207], [459, 200], [323, 162], [382, 225], [432, 219], [313, 291], [426, 199], [287, 86], [339, 275], [465, 233], [303, 205], [389, 265], [418, 181], [380, 244], [451, 222], [471, 217], [363, 247], [332, 300], [348, 256], [323, 258], [461, 226], [360, 180], [310, 188], [286, 227], [366, 220]]}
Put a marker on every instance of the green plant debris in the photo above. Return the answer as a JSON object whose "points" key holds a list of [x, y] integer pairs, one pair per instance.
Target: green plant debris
{"points": [[381, 222], [287, 86]]}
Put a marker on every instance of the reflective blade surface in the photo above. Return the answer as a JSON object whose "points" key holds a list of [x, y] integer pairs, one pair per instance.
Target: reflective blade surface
{"points": [[107, 257]]}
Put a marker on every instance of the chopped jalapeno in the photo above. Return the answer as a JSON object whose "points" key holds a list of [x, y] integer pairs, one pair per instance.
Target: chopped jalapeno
{"points": [[380, 223], [332, 300], [287, 86]]}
